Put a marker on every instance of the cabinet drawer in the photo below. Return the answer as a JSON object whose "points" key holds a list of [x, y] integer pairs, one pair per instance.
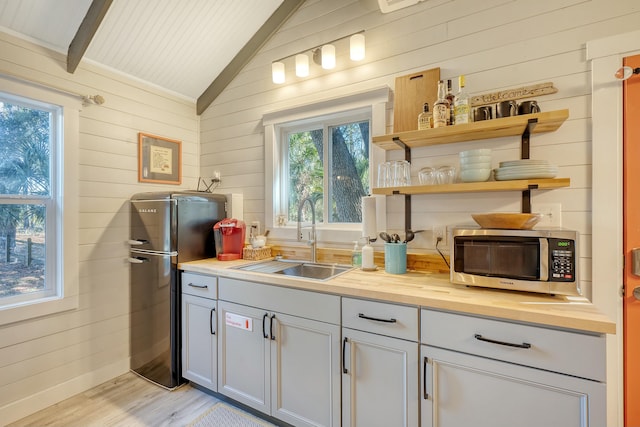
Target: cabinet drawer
{"points": [[200, 285], [306, 304], [382, 318], [563, 351]]}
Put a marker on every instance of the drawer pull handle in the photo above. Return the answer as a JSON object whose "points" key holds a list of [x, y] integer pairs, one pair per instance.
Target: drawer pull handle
{"points": [[425, 362], [509, 344], [264, 331], [273, 337], [197, 286], [362, 316], [344, 347]]}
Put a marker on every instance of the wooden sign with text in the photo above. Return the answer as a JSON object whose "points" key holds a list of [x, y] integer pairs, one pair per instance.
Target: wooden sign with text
{"points": [[513, 94]]}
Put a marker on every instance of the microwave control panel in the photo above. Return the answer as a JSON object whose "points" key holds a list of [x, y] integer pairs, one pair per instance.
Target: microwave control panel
{"points": [[562, 260]]}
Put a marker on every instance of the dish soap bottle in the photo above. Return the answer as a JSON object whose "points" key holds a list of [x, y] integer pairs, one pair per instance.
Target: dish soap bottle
{"points": [[367, 256], [356, 255]]}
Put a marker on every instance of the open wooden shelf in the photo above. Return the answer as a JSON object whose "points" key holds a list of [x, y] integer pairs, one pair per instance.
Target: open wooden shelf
{"points": [[470, 187], [486, 129]]}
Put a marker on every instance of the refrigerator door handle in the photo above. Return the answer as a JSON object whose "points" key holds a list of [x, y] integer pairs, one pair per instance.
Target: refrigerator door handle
{"points": [[136, 242], [138, 260]]}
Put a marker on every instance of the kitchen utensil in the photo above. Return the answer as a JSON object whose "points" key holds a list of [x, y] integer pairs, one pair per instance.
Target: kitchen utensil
{"points": [[511, 221], [409, 236], [395, 238], [384, 236], [411, 92]]}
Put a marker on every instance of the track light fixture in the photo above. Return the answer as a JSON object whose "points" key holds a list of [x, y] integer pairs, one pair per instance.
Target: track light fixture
{"points": [[324, 55]]}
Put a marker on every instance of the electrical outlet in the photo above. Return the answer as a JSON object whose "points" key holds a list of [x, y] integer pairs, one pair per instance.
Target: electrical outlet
{"points": [[439, 232], [551, 214]]}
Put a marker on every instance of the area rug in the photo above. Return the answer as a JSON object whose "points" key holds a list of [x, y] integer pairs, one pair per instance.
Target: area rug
{"points": [[224, 415]]}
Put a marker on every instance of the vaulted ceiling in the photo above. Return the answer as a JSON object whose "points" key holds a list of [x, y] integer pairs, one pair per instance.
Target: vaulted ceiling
{"points": [[192, 48]]}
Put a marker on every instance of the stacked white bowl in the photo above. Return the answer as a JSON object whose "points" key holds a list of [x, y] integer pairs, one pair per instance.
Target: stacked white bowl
{"points": [[475, 165]]}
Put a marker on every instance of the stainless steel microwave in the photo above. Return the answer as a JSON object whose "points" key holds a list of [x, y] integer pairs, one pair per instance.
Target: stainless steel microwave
{"points": [[541, 261]]}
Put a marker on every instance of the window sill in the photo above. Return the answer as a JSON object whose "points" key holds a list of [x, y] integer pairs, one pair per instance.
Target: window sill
{"points": [[34, 309]]}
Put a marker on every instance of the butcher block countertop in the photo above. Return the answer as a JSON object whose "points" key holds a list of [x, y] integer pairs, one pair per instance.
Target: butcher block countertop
{"points": [[434, 291]]}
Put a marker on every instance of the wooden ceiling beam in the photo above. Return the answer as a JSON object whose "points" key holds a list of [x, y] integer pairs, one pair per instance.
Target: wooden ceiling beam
{"points": [[85, 33], [268, 29]]}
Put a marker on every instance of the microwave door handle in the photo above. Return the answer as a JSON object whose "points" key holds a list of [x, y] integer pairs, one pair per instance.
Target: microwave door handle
{"points": [[544, 259]]}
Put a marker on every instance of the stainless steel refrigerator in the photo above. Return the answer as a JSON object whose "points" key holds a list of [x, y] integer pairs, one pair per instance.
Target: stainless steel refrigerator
{"points": [[166, 228]]}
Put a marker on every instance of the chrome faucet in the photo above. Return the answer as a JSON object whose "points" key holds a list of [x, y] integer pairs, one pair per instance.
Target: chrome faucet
{"points": [[312, 234]]}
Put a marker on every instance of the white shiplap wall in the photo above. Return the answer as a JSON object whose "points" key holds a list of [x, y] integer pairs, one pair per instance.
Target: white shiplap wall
{"points": [[47, 359], [497, 44]]}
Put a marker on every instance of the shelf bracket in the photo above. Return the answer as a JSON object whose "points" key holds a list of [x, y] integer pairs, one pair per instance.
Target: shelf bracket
{"points": [[526, 198], [407, 197], [524, 145], [524, 154]]}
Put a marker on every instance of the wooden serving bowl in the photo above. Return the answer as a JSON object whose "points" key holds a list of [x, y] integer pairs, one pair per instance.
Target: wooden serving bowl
{"points": [[510, 221]]}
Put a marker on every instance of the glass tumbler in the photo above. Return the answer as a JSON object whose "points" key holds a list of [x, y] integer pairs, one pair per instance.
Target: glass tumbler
{"points": [[406, 175], [397, 173], [384, 174], [427, 176], [446, 175]]}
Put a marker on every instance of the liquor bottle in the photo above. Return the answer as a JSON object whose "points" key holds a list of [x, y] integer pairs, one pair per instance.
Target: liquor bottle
{"points": [[461, 104], [450, 98], [441, 108], [425, 119]]}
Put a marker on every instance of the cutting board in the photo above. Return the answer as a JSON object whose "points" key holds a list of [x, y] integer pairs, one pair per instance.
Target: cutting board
{"points": [[411, 92]]}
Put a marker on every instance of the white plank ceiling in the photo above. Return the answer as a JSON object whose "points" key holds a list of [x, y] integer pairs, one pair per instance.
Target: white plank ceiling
{"points": [[178, 45]]}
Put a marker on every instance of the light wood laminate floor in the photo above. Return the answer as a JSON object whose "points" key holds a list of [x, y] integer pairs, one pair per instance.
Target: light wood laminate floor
{"points": [[127, 400]]}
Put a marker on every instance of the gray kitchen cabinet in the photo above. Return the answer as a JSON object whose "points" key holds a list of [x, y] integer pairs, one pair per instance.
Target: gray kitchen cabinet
{"points": [[199, 324], [380, 370], [279, 351], [486, 372]]}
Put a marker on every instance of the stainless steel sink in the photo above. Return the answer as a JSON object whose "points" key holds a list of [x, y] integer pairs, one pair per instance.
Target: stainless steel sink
{"points": [[303, 269]]}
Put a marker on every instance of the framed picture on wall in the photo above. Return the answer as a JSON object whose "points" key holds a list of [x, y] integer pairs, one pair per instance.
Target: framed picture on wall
{"points": [[159, 159]]}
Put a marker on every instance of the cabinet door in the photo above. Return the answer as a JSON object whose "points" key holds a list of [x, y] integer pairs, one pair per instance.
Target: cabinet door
{"points": [[243, 355], [464, 390], [379, 381], [199, 352], [305, 371]]}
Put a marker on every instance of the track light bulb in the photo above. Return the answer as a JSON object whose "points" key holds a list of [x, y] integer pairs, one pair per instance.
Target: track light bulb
{"points": [[356, 47], [328, 56], [302, 65], [277, 72]]}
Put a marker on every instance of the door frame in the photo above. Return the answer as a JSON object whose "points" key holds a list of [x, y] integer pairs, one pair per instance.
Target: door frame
{"points": [[606, 56]]}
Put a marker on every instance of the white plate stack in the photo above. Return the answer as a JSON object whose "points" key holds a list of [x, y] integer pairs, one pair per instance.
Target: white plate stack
{"points": [[525, 169], [475, 165]]}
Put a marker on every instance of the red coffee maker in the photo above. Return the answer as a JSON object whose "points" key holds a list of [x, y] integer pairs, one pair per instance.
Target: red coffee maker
{"points": [[229, 238]]}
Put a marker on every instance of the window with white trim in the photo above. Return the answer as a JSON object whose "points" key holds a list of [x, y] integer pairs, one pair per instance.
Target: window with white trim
{"points": [[38, 244], [305, 151], [29, 142], [325, 159]]}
